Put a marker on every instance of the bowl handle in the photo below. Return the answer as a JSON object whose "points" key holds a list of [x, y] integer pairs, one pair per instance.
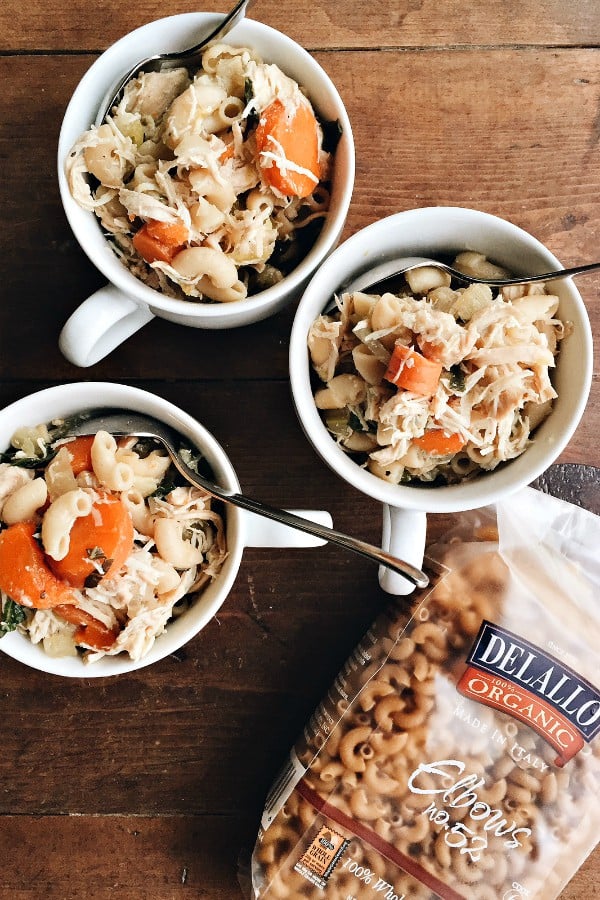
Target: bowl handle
{"points": [[403, 534], [262, 532], [100, 324]]}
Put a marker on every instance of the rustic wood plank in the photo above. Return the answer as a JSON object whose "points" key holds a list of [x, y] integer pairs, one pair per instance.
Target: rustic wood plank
{"points": [[148, 786], [67, 858], [190, 722], [540, 170], [142, 858], [403, 23]]}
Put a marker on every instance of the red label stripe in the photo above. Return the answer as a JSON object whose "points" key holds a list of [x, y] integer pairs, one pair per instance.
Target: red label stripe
{"points": [[526, 707], [404, 862]]}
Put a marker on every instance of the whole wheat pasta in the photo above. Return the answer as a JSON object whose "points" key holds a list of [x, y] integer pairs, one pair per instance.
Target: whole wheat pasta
{"points": [[455, 769]]}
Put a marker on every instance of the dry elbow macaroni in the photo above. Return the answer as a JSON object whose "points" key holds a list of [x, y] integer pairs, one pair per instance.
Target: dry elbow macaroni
{"points": [[454, 756], [178, 541]]}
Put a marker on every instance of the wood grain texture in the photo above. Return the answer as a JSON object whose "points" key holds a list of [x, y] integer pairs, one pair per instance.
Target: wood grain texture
{"points": [[69, 26], [148, 787], [533, 161], [171, 857], [166, 857]]}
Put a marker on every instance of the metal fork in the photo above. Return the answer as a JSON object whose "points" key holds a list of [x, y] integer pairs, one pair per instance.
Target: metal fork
{"points": [[125, 423]]}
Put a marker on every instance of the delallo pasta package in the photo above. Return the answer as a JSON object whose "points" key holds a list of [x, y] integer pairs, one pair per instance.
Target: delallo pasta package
{"points": [[456, 755]]}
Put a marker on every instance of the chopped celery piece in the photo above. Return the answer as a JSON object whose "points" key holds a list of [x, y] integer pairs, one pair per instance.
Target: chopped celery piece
{"points": [[336, 421]]}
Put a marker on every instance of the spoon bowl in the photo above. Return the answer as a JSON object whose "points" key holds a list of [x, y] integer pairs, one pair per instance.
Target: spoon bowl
{"points": [[190, 58], [124, 423], [393, 268]]}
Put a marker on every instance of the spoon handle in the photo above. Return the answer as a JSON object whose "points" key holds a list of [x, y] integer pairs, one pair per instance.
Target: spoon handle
{"points": [[230, 21], [414, 575], [393, 268], [548, 276], [370, 551], [121, 423]]}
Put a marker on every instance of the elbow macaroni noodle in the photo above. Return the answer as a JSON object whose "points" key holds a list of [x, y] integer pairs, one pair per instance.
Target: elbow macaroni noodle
{"points": [[435, 385], [415, 777], [178, 540], [180, 149], [172, 546], [59, 519], [24, 503], [111, 473]]}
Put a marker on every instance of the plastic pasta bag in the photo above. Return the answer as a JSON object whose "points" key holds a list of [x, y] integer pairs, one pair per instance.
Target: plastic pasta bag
{"points": [[456, 755]]}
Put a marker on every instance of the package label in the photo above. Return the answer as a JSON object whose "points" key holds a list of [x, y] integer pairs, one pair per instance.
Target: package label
{"points": [[511, 674], [322, 855]]}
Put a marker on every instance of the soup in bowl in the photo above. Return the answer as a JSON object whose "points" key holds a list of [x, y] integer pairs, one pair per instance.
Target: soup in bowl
{"points": [[109, 559], [209, 196], [428, 410]]}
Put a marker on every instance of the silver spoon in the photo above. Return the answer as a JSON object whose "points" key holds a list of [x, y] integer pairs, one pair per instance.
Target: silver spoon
{"points": [[123, 423], [393, 268], [191, 58]]}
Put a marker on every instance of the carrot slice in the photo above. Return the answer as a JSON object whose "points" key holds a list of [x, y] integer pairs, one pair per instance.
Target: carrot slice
{"points": [[160, 240], [99, 544], [92, 632], [150, 248], [173, 234], [227, 153], [290, 132], [439, 442], [24, 574], [413, 372], [80, 451]]}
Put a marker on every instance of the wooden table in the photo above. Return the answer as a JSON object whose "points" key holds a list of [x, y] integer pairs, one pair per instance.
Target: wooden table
{"points": [[149, 786]]}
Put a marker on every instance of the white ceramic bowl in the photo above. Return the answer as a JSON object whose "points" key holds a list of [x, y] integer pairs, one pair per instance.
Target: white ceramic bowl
{"points": [[107, 318], [428, 232], [242, 528]]}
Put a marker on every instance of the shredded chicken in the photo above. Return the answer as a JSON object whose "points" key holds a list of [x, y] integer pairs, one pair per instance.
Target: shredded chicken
{"points": [[495, 354], [137, 602], [180, 149]]}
